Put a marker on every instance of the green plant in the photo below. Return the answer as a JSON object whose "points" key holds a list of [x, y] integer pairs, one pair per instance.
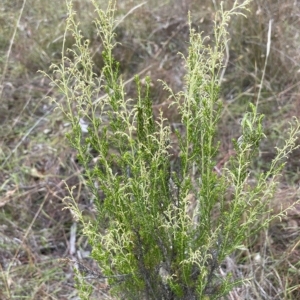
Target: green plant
{"points": [[162, 231]]}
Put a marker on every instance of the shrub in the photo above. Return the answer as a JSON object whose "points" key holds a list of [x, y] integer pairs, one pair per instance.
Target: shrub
{"points": [[162, 229]]}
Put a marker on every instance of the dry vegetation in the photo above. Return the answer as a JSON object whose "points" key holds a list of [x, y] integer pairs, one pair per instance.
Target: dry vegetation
{"points": [[35, 233]]}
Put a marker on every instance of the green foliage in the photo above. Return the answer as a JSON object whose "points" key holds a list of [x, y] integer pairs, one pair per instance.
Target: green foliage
{"points": [[84, 289], [145, 239]]}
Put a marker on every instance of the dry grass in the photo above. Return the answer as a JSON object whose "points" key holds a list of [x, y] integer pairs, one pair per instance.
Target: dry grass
{"points": [[35, 233]]}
